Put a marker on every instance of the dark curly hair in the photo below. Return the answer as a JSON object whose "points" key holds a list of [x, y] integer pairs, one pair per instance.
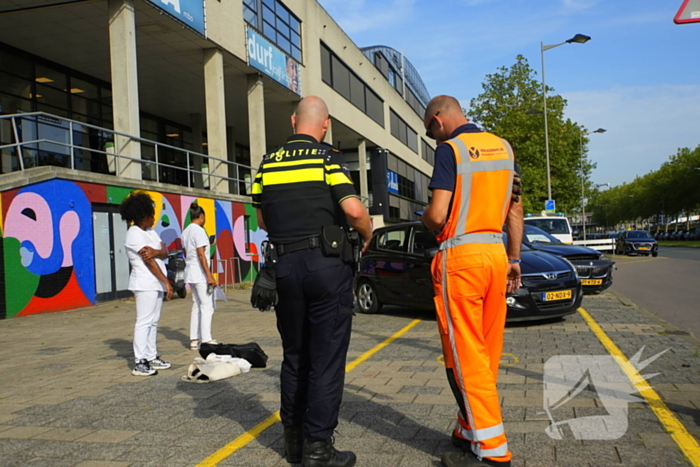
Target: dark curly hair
{"points": [[137, 206], [196, 211]]}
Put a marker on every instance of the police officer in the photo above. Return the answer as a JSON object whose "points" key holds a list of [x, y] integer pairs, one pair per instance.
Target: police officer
{"points": [[473, 196], [300, 189]]}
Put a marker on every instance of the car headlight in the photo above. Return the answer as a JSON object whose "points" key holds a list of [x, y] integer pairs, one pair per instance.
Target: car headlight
{"points": [[510, 301]]}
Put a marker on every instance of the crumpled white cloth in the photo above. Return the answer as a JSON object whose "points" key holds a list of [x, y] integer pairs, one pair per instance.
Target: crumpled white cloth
{"points": [[243, 364]]}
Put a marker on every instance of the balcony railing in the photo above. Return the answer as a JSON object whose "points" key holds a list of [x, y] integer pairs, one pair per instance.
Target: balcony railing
{"points": [[40, 139]]}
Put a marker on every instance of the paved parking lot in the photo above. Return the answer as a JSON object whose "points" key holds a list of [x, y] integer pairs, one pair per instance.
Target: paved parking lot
{"points": [[67, 396]]}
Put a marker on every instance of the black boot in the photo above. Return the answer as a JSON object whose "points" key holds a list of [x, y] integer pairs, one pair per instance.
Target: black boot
{"points": [[323, 454], [469, 459], [293, 443]]}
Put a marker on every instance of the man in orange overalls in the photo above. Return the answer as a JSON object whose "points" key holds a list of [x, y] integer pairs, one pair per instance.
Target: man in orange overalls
{"points": [[473, 196]]}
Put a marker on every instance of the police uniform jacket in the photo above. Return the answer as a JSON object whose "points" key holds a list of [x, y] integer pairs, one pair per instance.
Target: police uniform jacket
{"points": [[299, 188]]}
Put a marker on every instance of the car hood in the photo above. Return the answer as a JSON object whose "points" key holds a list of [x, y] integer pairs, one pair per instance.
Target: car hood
{"points": [[534, 262], [562, 249]]}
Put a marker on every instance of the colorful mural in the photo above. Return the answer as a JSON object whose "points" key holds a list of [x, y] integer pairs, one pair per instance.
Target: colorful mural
{"points": [[46, 241]]}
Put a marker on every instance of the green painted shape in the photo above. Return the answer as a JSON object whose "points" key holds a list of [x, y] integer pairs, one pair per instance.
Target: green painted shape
{"points": [[165, 219], [20, 284], [116, 194]]}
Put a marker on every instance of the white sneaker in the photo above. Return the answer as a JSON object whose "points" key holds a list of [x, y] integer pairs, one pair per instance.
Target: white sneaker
{"points": [[159, 364], [194, 345], [143, 368]]}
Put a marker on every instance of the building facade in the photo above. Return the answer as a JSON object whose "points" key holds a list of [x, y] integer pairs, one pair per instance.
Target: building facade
{"points": [[180, 98]]}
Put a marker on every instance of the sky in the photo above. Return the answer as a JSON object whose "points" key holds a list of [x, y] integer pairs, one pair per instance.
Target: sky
{"points": [[638, 77]]}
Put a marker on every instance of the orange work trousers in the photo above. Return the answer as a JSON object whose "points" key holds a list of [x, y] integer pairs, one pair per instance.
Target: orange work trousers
{"points": [[470, 288]]}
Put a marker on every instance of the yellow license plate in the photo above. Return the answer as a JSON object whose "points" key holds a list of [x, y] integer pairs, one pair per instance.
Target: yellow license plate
{"points": [[591, 281], [552, 296], [643, 247]]}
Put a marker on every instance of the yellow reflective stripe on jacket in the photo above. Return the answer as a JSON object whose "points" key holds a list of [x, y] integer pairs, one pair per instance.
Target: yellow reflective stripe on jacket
{"points": [[337, 178], [293, 176]]}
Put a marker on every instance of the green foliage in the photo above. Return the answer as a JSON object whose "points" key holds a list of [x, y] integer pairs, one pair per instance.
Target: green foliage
{"points": [[510, 106], [672, 189]]}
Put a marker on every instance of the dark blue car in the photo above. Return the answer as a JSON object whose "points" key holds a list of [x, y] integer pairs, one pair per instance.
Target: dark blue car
{"points": [[396, 271]]}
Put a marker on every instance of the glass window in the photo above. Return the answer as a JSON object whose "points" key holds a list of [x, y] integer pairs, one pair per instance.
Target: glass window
{"points": [[296, 54], [326, 65], [375, 107], [282, 12], [15, 85], [250, 16], [283, 43], [81, 88], [51, 96], [357, 92], [341, 78], [393, 240], [394, 122], [13, 104], [282, 28], [294, 24], [296, 39], [269, 3], [412, 139], [252, 4], [48, 76], [269, 31], [269, 16]]}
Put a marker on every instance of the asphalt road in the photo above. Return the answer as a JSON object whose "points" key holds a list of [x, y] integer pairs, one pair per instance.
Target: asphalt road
{"points": [[667, 286]]}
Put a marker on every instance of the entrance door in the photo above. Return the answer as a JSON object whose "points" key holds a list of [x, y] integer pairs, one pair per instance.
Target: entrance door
{"points": [[111, 262]]}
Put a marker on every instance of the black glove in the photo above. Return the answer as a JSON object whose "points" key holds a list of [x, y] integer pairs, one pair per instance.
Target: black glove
{"points": [[264, 295], [517, 190]]}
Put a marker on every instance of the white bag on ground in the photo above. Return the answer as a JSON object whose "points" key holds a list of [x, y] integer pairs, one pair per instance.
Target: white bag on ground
{"points": [[215, 369]]}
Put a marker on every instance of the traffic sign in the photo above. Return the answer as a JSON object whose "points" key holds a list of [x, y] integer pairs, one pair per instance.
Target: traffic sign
{"points": [[689, 12], [550, 205]]}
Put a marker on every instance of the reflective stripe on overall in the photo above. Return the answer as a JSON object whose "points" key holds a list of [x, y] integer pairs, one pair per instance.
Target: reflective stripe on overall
{"points": [[469, 276]]}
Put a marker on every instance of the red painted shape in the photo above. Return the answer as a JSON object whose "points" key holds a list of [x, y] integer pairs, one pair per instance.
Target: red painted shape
{"points": [[174, 201], [7, 197], [94, 193], [224, 245], [69, 298]]}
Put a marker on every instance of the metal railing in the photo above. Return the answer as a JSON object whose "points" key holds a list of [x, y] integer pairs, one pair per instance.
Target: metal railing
{"points": [[43, 139]]}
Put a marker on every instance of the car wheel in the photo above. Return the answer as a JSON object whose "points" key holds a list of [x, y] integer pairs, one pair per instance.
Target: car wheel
{"points": [[655, 254], [367, 299], [628, 250], [182, 292]]}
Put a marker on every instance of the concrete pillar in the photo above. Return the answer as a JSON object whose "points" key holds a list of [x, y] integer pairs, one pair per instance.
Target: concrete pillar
{"points": [[256, 120], [197, 140], [215, 99], [362, 157], [125, 88]]}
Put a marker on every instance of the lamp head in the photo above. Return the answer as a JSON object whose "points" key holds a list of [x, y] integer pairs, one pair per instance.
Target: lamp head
{"points": [[579, 39]]}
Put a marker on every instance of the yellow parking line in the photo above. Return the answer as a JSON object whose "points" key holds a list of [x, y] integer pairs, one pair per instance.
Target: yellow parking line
{"points": [[257, 430], [678, 432]]}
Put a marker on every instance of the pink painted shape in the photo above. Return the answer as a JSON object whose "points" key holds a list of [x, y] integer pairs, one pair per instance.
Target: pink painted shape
{"points": [[69, 228], [23, 228], [239, 238]]}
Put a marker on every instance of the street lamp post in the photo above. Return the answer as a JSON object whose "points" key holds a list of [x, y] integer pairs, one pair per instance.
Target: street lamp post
{"points": [[583, 177], [577, 39]]}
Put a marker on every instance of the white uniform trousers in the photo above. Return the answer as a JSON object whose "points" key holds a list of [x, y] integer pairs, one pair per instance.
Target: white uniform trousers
{"points": [[148, 306], [202, 312]]}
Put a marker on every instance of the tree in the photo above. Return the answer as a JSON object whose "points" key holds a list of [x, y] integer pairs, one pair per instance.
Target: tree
{"points": [[508, 107]]}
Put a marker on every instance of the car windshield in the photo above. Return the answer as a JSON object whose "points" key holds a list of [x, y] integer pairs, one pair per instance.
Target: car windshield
{"points": [[638, 234], [552, 225], [535, 235]]}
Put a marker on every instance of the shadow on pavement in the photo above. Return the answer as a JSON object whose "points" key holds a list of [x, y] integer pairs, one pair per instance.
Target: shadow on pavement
{"points": [[175, 335], [122, 348]]}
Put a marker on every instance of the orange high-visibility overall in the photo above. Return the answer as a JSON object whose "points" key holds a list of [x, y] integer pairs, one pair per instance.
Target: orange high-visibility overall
{"points": [[469, 277]]}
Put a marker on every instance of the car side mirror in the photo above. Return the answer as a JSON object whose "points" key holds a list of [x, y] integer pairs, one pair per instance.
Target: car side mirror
{"points": [[431, 252]]}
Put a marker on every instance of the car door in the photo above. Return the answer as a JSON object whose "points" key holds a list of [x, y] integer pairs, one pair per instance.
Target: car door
{"points": [[392, 262], [421, 249]]}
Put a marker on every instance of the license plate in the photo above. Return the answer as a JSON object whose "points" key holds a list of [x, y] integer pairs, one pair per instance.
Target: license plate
{"points": [[591, 281], [643, 247], [560, 295]]}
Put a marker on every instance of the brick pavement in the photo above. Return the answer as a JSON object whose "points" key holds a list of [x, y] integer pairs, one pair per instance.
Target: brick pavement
{"points": [[67, 397]]}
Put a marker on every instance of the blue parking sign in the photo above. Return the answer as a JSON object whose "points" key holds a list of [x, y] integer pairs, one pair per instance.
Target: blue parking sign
{"points": [[550, 205]]}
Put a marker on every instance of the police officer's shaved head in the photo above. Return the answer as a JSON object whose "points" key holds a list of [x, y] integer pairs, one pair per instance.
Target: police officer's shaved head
{"points": [[311, 117], [442, 116]]}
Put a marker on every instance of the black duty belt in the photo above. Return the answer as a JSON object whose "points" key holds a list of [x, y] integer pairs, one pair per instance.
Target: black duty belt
{"points": [[284, 248]]}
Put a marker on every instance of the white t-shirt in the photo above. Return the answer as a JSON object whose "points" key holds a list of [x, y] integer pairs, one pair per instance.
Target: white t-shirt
{"points": [[141, 277], [194, 237]]}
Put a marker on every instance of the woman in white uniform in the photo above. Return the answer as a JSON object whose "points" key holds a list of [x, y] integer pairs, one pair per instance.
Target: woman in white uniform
{"points": [[198, 275], [148, 279]]}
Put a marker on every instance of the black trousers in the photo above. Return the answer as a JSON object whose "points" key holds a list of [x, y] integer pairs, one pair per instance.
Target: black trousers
{"points": [[314, 318]]}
